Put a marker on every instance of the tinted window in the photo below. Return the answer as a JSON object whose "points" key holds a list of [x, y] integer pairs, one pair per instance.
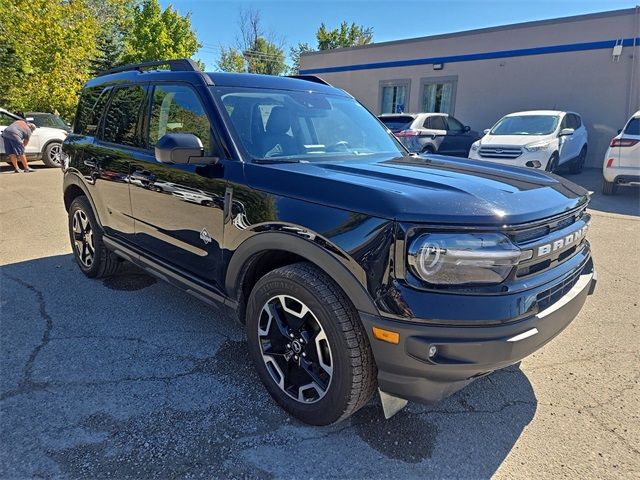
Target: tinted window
{"points": [[526, 125], [577, 121], [47, 120], [89, 111], [436, 122], [303, 125], [177, 109], [121, 119], [395, 124], [6, 120], [454, 125], [633, 127]]}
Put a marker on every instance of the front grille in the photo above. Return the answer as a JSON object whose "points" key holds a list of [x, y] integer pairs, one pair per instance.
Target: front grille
{"points": [[533, 237], [550, 296], [500, 152]]}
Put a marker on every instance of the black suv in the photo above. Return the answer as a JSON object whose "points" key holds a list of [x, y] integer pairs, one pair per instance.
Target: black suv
{"points": [[355, 265]]}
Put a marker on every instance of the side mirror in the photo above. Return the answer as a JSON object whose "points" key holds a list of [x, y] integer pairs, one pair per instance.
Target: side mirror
{"points": [[467, 128], [486, 130], [566, 131], [182, 148]]}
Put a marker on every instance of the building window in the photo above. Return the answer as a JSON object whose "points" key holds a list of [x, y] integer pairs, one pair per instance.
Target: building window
{"points": [[438, 95], [394, 96]]}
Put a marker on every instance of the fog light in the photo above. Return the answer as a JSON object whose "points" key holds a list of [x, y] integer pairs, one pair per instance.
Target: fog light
{"points": [[433, 350], [534, 164]]}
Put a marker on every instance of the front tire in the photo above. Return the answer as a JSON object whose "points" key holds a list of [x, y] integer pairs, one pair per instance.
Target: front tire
{"points": [[85, 235], [308, 345], [578, 164], [52, 155], [552, 164]]}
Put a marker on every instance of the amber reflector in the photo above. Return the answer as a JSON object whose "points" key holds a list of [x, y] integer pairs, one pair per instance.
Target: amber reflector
{"points": [[386, 335]]}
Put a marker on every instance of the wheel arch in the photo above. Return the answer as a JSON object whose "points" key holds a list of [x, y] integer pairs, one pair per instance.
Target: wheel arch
{"points": [[267, 251], [74, 187]]}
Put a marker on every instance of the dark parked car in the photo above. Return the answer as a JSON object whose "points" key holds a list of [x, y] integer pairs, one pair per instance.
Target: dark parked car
{"points": [[431, 132], [356, 266], [42, 119]]}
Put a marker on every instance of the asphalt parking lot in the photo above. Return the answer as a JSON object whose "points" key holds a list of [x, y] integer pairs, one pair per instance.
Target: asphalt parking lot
{"points": [[130, 378]]}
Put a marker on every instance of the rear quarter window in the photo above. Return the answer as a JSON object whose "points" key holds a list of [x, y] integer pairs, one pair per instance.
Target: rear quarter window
{"points": [[633, 127], [90, 107]]}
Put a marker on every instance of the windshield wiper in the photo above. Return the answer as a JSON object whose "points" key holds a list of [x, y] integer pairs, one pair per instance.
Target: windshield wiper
{"points": [[275, 160]]}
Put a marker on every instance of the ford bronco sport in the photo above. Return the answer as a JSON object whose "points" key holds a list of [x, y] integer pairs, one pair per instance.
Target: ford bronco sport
{"points": [[355, 265]]}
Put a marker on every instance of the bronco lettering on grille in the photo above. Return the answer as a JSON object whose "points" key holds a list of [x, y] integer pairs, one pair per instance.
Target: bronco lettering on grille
{"points": [[563, 242]]}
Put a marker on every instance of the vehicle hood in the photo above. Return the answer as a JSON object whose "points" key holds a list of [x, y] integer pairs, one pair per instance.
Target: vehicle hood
{"points": [[424, 189], [51, 132], [513, 140]]}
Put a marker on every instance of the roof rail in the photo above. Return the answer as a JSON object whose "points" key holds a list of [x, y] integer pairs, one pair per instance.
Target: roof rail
{"points": [[177, 65], [311, 78]]}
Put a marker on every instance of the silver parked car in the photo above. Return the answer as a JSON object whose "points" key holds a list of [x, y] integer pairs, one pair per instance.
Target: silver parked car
{"points": [[431, 132]]}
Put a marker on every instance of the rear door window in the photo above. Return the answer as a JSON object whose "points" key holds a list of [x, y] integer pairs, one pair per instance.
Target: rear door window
{"points": [[435, 122], [122, 117]]}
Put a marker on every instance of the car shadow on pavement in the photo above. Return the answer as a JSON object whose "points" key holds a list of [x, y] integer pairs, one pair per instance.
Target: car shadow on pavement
{"points": [[626, 201], [130, 378]]}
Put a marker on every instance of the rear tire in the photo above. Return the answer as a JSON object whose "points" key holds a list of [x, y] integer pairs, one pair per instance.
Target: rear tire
{"points": [[308, 345], [608, 188], [428, 150], [578, 164], [52, 155], [85, 235]]}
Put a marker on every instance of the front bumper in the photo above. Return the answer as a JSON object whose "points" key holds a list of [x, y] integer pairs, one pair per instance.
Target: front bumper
{"points": [[464, 353], [526, 159]]}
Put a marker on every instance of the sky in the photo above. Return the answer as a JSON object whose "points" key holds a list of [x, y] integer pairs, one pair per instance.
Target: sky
{"points": [[216, 21]]}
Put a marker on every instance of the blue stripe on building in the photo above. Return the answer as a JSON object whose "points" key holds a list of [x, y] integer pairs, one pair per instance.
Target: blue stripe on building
{"points": [[522, 52]]}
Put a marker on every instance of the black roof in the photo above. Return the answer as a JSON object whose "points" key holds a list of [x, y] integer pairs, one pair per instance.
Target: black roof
{"points": [[184, 71]]}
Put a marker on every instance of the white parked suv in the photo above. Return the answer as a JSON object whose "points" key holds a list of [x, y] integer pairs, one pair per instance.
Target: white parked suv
{"points": [[45, 143], [622, 160], [542, 139]]}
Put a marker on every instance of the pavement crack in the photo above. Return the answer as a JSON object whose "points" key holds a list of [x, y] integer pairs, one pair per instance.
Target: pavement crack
{"points": [[27, 384]]}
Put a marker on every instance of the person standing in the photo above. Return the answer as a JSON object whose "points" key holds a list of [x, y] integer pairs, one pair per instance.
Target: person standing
{"points": [[16, 136]]}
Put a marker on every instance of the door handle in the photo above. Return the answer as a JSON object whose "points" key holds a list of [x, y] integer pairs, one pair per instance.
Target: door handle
{"points": [[90, 163]]}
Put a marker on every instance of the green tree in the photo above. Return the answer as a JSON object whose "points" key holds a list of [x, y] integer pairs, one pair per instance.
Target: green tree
{"points": [[231, 60], [344, 36], [156, 34], [295, 52], [255, 51], [44, 53], [114, 19]]}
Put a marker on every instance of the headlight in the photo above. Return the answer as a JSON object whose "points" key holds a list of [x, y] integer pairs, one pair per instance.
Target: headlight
{"points": [[537, 147], [475, 145], [458, 259]]}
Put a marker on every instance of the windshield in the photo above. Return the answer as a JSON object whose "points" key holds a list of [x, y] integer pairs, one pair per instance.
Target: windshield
{"points": [[526, 125], [47, 120], [303, 126]]}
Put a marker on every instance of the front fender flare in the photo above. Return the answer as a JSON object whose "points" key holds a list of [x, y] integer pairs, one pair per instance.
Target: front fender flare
{"points": [[347, 278]]}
